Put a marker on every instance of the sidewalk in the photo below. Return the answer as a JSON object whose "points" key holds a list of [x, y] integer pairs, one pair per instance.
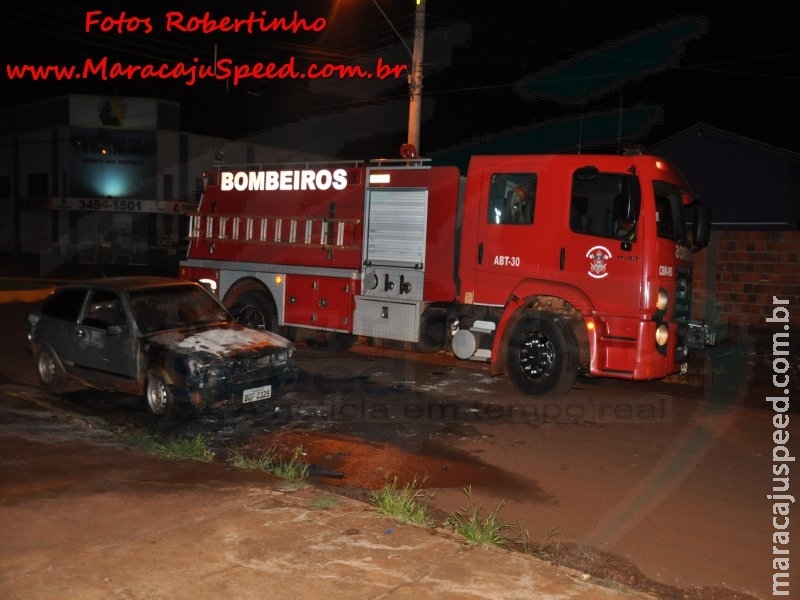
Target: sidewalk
{"points": [[84, 516], [21, 280]]}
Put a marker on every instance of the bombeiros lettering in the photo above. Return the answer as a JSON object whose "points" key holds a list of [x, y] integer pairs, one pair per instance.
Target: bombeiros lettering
{"points": [[285, 180]]}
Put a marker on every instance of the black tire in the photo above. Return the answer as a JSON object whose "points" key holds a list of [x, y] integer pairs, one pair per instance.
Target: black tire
{"points": [[255, 310], [330, 341], [158, 398], [542, 355], [49, 371], [432, 331]]}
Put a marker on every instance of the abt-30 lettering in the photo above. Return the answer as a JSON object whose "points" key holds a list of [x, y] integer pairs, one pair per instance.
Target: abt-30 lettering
{"points": [[507, 261]]}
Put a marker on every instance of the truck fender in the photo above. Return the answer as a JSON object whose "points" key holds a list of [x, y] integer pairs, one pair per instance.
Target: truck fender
{"points": [[522, 297]]}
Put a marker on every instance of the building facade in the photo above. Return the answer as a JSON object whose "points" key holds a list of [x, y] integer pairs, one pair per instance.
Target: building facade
{"points": [[106, 180]]}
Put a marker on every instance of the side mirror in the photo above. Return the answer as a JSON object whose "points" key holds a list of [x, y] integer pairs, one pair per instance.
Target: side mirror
{"points": [[701, 234]]}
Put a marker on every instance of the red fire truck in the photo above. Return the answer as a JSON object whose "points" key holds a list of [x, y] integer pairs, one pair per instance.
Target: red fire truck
{"points": [[542, 266]]}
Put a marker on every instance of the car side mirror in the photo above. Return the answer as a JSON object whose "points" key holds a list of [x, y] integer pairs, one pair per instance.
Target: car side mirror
{"points": [[115, 330]]}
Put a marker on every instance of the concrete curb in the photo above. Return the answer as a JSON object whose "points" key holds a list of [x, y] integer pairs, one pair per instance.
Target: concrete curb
{"points": [[31, 295]]}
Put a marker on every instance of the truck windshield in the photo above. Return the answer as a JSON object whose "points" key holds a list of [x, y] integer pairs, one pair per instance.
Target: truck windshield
{"points": [[670, 218]]}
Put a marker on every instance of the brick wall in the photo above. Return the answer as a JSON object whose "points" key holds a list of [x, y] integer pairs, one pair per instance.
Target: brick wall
{"points": [[739, 272]]}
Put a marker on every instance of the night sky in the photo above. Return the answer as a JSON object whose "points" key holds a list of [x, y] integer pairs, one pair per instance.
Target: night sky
{"points": [[490, 69]]}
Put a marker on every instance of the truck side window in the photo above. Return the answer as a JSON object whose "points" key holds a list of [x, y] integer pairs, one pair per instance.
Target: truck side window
{"points": [[512, 197]]}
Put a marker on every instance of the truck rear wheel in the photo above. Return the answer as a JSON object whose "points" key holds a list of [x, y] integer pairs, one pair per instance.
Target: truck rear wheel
{"points": [[255, 310], [330, 341], [542, 355], [432, 331]]}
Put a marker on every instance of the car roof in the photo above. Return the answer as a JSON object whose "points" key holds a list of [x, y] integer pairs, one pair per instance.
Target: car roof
{"points": [[128, 282]]}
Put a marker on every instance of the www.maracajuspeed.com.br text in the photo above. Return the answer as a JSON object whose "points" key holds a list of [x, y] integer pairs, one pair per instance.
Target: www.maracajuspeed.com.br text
{"points": [[224, 69]]}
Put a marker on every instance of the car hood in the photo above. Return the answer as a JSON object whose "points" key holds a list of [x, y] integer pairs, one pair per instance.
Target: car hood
{"points": [[228, 340]]}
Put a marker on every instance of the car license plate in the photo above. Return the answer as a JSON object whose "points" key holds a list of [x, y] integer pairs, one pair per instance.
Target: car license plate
{"points": [[256, 394]]}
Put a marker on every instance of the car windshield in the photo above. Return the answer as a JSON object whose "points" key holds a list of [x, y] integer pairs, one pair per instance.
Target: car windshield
{"points": [[174, 307]]}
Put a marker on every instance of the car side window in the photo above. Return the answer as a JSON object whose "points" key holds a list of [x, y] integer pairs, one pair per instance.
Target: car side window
{"points": [[102, 310], [64, 305]]}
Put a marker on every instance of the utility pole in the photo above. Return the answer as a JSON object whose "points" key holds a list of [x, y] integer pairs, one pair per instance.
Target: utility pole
{"points": [[415, 77], [415, 70]]}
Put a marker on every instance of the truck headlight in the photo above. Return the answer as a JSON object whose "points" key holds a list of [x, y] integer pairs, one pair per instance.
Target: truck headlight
{"points": [[663, 300], [662, 335]]}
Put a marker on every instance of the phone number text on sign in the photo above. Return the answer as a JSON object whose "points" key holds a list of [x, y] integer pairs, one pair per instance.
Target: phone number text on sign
{"points": [[110, 204]]}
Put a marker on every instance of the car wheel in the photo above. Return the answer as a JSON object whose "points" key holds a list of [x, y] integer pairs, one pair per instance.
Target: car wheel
{"points": [[49, 371], [542, 355], [158, 397]]}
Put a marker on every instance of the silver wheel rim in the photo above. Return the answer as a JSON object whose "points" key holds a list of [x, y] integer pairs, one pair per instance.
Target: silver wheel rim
{"points": [[47, 367], [537, 356], [156, 396]]}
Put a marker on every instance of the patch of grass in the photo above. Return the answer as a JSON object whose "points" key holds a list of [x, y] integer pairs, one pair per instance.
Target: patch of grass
{"points": [[476, 527], [269, 461], [197, 447], [141, 440], [99, 423], [258, 461], [294, 469], [326, 501], [546, 550], [409, 503]]}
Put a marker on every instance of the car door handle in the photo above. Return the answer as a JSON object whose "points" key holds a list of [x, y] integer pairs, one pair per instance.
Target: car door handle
{"points": [[480, 253]]}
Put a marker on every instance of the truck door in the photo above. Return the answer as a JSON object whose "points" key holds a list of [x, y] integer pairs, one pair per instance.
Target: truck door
{"points": [[600, 247], [506, 245]]}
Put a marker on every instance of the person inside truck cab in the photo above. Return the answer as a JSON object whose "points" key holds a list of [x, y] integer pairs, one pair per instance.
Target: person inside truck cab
{"points": [[518, 206], [624, 229]]}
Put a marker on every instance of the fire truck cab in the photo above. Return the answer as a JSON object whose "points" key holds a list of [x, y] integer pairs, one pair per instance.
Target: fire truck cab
{"points": [[543, 266]]}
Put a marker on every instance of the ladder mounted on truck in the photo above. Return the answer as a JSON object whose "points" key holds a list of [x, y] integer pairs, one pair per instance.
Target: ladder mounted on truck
{"points": [[282, 231]]}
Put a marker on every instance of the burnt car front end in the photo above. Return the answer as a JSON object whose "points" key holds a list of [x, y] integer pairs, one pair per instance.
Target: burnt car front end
{"points": [[222, 367]]}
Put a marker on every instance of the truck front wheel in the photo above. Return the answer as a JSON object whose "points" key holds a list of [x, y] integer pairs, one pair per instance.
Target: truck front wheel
{"points": [[542, 355]]}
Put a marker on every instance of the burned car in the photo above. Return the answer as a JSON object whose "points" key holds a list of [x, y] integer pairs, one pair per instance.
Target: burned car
{"points": [[166, 339]]}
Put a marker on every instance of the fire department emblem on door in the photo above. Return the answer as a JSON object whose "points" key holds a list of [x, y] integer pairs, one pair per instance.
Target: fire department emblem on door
{"points": [[598, 260]]}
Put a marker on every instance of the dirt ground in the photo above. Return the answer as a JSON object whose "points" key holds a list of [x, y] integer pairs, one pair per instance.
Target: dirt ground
{"points": [[83, 511], [83, 515], [593, 562]]}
